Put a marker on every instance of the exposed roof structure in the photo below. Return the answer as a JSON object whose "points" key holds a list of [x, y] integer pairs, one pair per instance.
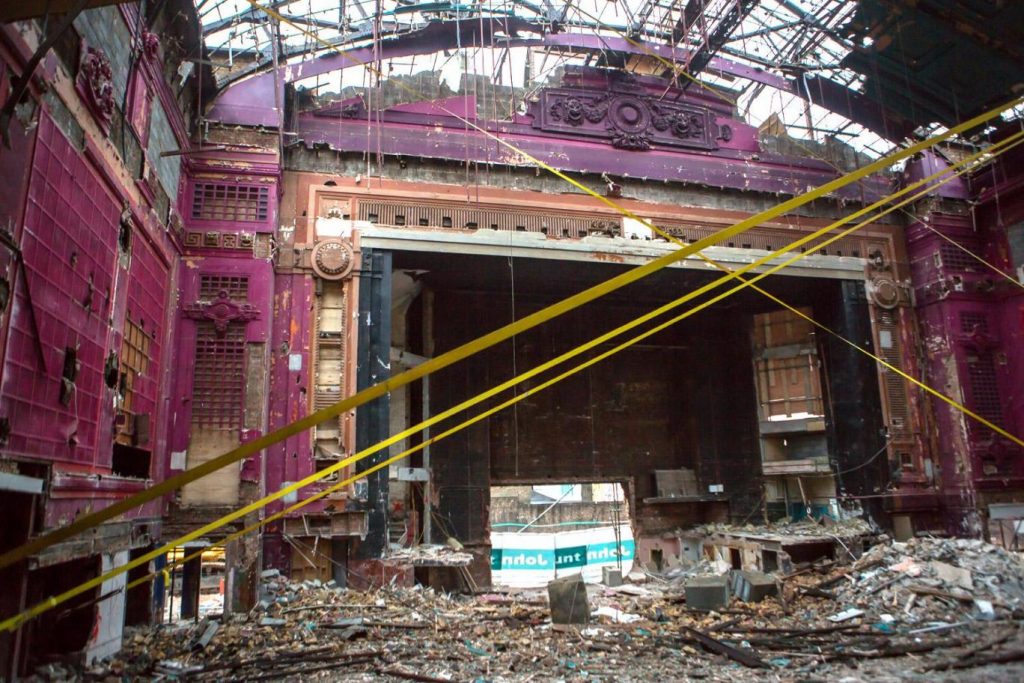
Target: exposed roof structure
{"points": [[814, 69]]}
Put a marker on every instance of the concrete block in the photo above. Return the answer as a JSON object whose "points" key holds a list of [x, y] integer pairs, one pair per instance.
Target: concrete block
{"points": [[755, 586], [611, 576], [707, 592], [568, 600]]}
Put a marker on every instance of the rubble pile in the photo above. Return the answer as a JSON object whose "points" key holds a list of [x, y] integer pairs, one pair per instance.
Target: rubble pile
{"points": [[931, 579], [848, 527], [902, 611]]}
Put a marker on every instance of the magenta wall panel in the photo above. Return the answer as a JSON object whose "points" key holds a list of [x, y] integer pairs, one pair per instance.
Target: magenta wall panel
{"points": [[293, 459], [148, 296], [69, 246], [15, 166], [258, 276]]}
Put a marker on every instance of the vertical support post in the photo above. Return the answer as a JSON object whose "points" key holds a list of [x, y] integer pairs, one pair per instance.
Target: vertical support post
{"points": [[373, 419], [428, 351], [159, 589], [241, 574], [339, 561], [856, 430], [191, 575]]}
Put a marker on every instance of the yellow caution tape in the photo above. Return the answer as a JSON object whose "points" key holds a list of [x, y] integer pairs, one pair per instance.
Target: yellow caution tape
{"points": [[432, 365], [486, 341], [1015, 140], [14, 622]]}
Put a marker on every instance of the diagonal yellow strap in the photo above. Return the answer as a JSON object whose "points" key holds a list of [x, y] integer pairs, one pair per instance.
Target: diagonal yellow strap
{"points": [[162, 488], [519, 397], [14, 622], [518, 327]]}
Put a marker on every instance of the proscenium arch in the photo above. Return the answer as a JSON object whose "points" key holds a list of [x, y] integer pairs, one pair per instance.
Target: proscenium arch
{"points": [[249, 100]]}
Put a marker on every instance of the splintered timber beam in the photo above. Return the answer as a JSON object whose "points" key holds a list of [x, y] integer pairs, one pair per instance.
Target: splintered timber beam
{"points": [[733, 653]]}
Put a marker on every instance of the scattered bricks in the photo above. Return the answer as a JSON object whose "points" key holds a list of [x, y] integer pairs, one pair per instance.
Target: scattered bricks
{"points": [[707, 592], [611, 577], [754, 586], [568, 600]]}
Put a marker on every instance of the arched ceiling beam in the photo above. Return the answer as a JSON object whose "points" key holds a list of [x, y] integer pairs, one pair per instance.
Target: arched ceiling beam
{"points": [[247, 101]]}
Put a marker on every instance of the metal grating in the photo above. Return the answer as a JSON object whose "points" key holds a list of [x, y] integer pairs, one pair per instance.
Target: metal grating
{"points": [[895, 388], [954, 258], [237, 287], [984, 388], [394, 214], [971, 321], [223, 202], [218, 386]]}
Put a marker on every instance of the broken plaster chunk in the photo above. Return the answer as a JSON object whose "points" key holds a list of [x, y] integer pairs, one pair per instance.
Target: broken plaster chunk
{"points": [[270, 573], [984, 609], [568, 600], [707, 592], [616, 615], [272, 621], [611, 577], [846, 615], [953, 576]]}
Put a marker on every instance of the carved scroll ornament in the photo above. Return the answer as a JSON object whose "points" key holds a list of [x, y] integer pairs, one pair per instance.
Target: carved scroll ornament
{"points": [[221, 312], [95, 83], [628, 120]]}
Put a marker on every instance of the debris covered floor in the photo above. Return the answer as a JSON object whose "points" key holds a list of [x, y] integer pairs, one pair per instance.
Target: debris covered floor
{"points": [[927, 609]]}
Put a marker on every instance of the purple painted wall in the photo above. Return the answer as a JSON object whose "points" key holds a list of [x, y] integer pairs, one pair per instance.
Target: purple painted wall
{"points": [[970, 324], [291, 380], [73, 293], [259, 277]]}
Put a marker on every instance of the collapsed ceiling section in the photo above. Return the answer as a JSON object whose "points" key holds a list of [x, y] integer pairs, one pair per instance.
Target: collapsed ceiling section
{"points": [[813, 70]]}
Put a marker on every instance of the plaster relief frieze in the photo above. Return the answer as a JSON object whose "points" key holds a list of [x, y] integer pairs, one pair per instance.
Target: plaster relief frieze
{"points": [[628, 120], [333, 259], [96, 86], [151, 45]]}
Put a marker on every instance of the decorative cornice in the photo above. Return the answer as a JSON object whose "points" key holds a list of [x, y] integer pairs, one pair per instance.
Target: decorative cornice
{"points": [[627, 119]]}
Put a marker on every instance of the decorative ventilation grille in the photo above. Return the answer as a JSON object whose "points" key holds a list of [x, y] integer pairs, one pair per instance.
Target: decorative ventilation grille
{"points": [[220, 202], [954, 258], [971, 321], [981, 370], [895, 388], [219, 377], [237, 287], [399, 215]]}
